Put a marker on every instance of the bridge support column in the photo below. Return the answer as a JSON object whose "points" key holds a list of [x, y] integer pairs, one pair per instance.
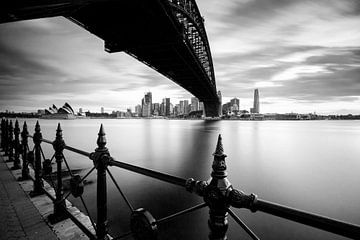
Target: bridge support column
{"points": [[212, 109]]}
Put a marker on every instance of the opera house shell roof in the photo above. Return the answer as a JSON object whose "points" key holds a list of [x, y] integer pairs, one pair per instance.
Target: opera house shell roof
{"points": [[65, 111]]}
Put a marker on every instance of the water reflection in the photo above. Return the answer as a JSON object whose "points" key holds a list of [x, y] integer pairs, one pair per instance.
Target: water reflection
{"points": [[310, 165]]}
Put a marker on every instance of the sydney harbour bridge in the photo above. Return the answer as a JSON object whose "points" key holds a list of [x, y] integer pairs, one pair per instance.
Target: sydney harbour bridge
{"points": [[167, 35]]}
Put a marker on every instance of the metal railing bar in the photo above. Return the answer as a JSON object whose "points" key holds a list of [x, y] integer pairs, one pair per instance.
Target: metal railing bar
{"points": [[86, 175], [64, 198], [52, 158], [71, 149], [121, 192], [75, 150], [164, 219], [87, 211], [122, 236], [67, 166], [46, 141], [150, 173], [328, 224], [42, 153], [243, 225]]}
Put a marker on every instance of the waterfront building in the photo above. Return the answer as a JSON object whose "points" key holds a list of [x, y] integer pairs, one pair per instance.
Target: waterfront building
{"points": [[102, 110], [65, 112], [194, 104], [220, 100], [186, 106], [80, 110], [138, 110], [235, 103], [256, 107], [177, 109], [181, 110], [146, 105], [167, 106], [156, 109]]}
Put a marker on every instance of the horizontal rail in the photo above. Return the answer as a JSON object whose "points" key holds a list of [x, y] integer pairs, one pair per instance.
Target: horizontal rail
{"points": [[75, 150], [150, 173], [71, 149], [328, 224]]}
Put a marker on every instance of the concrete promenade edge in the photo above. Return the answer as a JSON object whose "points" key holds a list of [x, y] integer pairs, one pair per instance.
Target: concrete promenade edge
{"points": [[22, 217], [19, 218]]}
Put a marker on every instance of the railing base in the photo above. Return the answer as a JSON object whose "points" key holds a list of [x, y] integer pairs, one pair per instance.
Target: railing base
{"points": [[23, 178], [36, 193], [15, 167], [58, 217]]}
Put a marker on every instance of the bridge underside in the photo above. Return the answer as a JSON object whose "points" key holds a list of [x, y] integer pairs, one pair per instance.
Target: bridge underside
{"points": [[145, 29]]}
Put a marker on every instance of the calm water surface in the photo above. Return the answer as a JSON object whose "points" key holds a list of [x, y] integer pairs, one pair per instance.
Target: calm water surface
{"points": [[311, 165]]}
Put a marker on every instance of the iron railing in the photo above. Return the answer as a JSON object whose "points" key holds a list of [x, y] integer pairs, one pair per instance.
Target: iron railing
{"points": [[218, 193]]}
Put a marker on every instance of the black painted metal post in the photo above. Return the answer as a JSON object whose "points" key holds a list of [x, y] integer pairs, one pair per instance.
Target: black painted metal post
{"points": [[6, 137], [215, 195], [16, 147], [101, 158], [10, 142], [59, 205], [24, 144], [38, 183], [2, 133]]}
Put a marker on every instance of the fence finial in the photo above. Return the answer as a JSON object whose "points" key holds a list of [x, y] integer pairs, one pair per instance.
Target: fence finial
{"points": [[101, 140], [58, 131]]}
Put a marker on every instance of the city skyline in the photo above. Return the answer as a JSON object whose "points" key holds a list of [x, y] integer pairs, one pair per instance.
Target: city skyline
{"points": [[303, 56]]}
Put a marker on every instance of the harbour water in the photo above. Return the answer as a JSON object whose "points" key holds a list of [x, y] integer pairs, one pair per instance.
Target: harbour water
{"points": [[310, 165]]}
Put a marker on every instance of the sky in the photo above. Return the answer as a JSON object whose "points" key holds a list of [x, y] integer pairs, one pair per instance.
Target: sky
{"points": [[302, 55]]}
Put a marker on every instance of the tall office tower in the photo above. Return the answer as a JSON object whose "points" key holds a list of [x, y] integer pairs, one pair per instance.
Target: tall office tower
{"points": [[102, 110], [167, 106], [256, 107], [186, 106], [80, 110], [146, 105], [156, 109], [194, 104], [201, 106], [220, 100], [181, 110], [235, 101], [138, 110], [177, 109]]}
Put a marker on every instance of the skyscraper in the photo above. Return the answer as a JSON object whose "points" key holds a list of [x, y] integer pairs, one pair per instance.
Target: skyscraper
{"points": [[256, 107], [167, 106], [102, 110], [235, 101], [220, 101], [186, 107], [146, 105], [194, 104]]}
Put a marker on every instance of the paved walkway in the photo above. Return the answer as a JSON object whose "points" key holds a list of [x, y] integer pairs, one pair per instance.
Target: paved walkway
{"points": [[19, 218]]}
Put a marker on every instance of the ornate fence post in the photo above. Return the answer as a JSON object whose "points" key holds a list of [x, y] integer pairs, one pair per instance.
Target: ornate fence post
{"points": [[101, 158], [24, 145], [59, 205], [2, 133], [215, 195], [17, 147], [10, 142], [5, 137], [38, 183]]}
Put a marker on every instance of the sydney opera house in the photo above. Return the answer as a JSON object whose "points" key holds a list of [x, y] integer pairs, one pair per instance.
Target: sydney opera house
{"points": [[65, 112]]}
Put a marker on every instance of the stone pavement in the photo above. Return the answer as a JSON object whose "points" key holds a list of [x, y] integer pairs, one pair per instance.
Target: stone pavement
{"points": [[19, 218]]}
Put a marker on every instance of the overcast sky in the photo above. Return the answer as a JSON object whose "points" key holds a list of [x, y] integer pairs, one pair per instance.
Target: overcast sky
{"points": [[302, 55]]}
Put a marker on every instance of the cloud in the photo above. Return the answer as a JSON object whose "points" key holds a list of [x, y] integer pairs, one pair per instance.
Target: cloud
{"points": [[297, 52]]}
